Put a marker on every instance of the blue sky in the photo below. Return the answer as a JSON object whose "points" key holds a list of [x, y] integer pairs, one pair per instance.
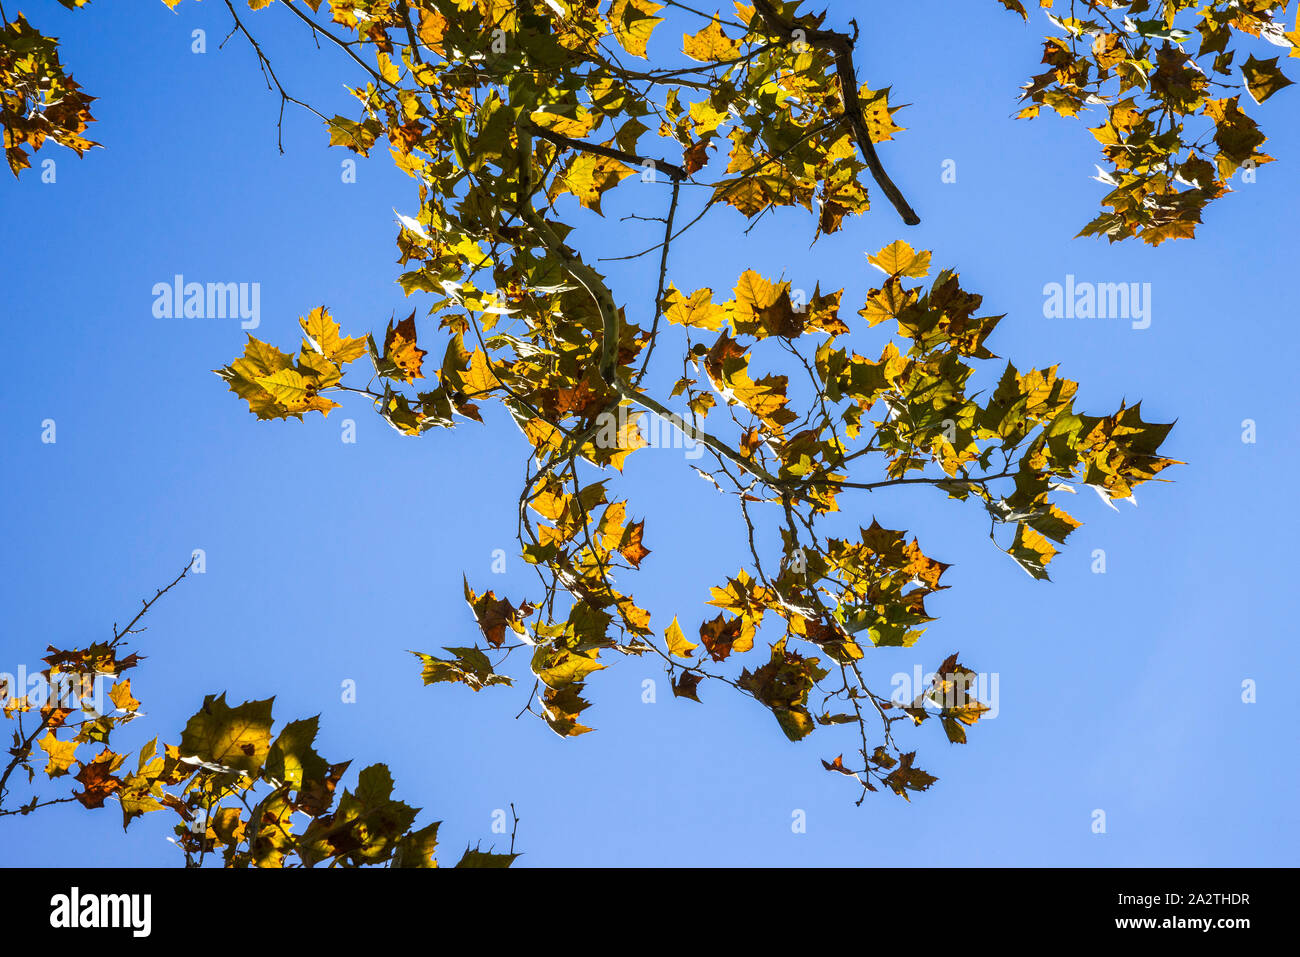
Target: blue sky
{"points": [[327, 561]]}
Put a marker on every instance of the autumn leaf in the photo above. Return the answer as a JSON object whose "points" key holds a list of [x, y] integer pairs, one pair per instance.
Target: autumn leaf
{"points": [[677, 643], [236, 738], [97, 780], [898, 259], [1032, 551], [120, 695], [494, 615], [696, 310], [589, 176], [321, 334], [721, 636], [61, 754], [561, 709], [906, 778], [470, 667], [474, 857], [710, 44], [1263, 78], [401, 352], [632, 22], [291, 758], [686, 685]]}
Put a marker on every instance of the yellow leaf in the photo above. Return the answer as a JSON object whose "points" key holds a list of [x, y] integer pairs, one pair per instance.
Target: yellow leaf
{"points": [[697, 310], [480, 379], [878, 115], [61, 754], [710, 44], [238, 738], [120, 695], [322, 336], [898, 259], [632, 22], [677, 642], [753, 294], [588, 177], [295, 392]]}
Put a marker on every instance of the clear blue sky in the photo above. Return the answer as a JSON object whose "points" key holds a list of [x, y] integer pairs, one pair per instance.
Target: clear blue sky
{"points": [[328, 561]]}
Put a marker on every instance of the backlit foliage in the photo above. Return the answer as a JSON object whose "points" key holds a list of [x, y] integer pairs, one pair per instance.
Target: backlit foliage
{"points": [[517, 121], [38, 100], [243, 794], [498, 115], [1172, 84]]}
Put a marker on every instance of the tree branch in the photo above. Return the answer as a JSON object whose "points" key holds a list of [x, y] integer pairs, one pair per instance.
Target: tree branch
{"points": [[674, 171], [841, 45]]}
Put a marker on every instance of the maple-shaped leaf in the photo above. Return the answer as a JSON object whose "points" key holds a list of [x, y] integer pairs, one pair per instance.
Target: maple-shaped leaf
{"points": [[224, 737], [878, 114], [365, 828], [321, 335], [417, 848], [123, 700], [243, 376], [899, 259], [589, 176], [630, 546], [677, 643], [722, 636], [402, 359], [697, 310], [292, 759], [494, 615], [710, 44], [473, 857], [632, 22], [61, 754], [97, 780], [560, 710], [1263, 78], [906, 778], [470, 666]]}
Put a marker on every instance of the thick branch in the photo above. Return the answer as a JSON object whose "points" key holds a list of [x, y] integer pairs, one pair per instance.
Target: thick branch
{"points": [[841, 44]]}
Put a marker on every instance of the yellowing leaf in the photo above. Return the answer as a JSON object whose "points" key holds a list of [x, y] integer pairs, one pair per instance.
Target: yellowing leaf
{"points": [[470, 667], [322, 336], [878, 114], [238, 738], [1032, 551], [710, 44], [677, 642], [898, 259], [697, 310], [632, 22], [400, 350], [61, 754], [120, 695], [1263, 78], [589, 176], [560, 669]]}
